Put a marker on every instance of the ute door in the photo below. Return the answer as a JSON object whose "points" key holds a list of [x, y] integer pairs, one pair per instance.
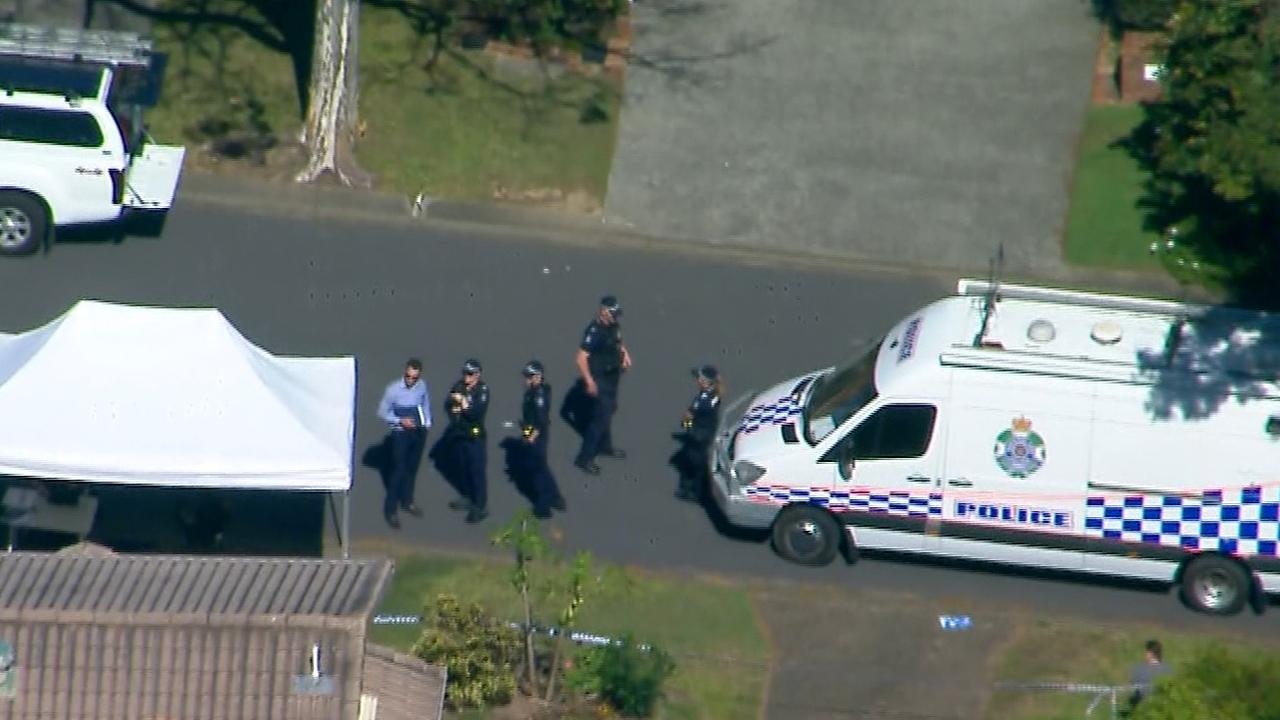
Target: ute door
{"points": [[151, 181], [70, 148], [884, 470]]}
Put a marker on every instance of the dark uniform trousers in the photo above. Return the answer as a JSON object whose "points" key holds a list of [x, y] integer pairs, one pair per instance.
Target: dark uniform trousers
{"points": [[695, 463], [472, 460], [598, 437], [406, 455], [545, 491]]}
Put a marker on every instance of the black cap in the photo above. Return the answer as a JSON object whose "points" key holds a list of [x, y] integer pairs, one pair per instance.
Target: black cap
{"points": [[471, 366], [610, 303], [531, 368], [706, 372]]}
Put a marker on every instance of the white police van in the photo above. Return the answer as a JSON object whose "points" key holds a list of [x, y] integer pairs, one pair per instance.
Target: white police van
{"points": [[1036, 427], [73, 149]]}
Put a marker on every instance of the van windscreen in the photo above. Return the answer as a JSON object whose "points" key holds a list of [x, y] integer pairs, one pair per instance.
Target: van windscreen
{"points": [[839, 395]]}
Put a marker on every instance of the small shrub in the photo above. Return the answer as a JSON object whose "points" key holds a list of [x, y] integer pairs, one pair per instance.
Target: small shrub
{"points": [[627, 677], [479, 652], [1218, 683]]}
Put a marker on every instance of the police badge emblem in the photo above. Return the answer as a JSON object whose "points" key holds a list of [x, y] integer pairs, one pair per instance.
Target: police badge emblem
{"points": [[1019, 451]]}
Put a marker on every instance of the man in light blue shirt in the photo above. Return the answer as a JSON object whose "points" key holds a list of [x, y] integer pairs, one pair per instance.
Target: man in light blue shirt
{"points": [[406, 409]]}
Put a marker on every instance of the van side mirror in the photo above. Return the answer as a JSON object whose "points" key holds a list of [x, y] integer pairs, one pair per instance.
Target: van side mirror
{"points": [[1273, 425]]}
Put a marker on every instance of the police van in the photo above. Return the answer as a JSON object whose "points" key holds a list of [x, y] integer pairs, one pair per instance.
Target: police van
{"points": [[1035, 427]]}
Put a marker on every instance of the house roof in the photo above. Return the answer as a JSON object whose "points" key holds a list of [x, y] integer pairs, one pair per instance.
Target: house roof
{"points": [[138, 588], [121, 637]]}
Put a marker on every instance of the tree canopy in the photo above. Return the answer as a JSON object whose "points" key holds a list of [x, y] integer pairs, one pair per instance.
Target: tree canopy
{"points": [[1212, 142]]}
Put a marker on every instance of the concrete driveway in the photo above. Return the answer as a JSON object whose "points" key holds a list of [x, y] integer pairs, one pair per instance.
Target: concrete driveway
{"points": [[907, 131]]}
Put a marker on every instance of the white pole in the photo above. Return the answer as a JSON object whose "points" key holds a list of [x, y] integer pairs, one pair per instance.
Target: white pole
{"points": [[346, 525]]}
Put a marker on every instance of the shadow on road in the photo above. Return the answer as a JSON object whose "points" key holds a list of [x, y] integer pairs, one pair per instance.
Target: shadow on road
{"points": [[576, 408], [518, 464], [447, 461], [143, 226]]}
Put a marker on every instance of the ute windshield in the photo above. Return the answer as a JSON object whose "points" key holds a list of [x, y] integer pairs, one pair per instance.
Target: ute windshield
{"points": [[838, 395]]}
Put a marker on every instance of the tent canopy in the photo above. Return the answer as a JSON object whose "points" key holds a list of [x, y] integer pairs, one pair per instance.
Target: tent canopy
{"points": [[176, 397]]}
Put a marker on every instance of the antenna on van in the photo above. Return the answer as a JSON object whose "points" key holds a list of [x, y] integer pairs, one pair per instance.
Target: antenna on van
{"points": [[992, 296]]}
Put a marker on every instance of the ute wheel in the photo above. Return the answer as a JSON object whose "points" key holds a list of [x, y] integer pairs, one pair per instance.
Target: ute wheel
{"points": [[806, 535], [23, 223], [1216, 585]]}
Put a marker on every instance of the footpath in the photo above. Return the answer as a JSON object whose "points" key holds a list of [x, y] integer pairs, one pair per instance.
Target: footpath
{"points": [[329, 200]]}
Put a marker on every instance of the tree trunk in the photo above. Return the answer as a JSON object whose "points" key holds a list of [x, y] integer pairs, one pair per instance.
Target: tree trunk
{"points": [[557, 656], [332, 100], [528, 642]]}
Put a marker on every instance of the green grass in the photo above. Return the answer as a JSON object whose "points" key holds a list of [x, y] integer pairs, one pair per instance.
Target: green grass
{"points": [[460, 127], [710, 629], [1104, 224], [1069, 652], [217, 72]]}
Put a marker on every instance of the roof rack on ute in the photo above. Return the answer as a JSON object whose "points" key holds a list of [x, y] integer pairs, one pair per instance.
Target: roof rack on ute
{"points": [[111, 47]]}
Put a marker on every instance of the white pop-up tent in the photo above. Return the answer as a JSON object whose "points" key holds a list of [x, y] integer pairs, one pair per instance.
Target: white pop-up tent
{"points": [[122, 394]]}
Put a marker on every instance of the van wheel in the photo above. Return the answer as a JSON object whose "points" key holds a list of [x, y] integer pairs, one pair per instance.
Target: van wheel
{"points": [[23, 223], [1215, 585], [806, 535]]}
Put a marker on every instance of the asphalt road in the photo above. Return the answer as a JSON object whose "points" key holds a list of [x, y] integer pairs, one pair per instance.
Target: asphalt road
{"points": [[386, 290]]}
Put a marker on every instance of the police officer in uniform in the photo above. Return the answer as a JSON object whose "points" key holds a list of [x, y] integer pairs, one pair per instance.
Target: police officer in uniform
{"points": [[467, 404], [699, 424], [535, 424], [601, 360]]}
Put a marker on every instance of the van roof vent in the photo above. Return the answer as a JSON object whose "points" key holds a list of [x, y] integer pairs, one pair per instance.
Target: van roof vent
{"points": [[1041, 331], [1106, 332]]}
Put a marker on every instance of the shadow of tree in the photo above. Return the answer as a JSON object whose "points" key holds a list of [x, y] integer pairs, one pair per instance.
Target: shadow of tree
{"points": [[691, 69], [286, 26], [1209, 357], [1216, 354]]}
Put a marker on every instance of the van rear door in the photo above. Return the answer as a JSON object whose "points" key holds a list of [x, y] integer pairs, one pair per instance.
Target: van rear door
{"points": [[151, 182]]}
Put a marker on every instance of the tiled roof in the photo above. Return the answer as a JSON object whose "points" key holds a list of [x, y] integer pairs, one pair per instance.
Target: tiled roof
{"points": [[210, 638], [36, 584], [405, 687]]}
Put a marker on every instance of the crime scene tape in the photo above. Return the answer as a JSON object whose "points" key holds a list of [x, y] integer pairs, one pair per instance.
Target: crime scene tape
{"points": [[581, 638]]}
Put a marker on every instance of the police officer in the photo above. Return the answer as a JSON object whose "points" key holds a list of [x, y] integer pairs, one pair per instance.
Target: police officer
{"points": [[467, 404], [535, 424], [699, 423], [601, 360]]}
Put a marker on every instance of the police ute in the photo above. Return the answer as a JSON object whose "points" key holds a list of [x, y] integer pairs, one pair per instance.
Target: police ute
{"points": [[73, 148], [1031, 426]]}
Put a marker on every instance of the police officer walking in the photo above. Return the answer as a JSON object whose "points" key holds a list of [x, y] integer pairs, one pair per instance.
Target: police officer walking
{"points": [[535, 425], [601, 360], [406, 409], [699, 423], [467, 404]]}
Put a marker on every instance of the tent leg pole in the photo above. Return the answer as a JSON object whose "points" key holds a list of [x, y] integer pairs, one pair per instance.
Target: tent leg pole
{"points": [[346, 524]]}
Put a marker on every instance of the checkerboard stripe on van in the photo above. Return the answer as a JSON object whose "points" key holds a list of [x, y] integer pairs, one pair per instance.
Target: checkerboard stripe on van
{"points": [[778, 412], [1244, 521], [893, 502]]}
